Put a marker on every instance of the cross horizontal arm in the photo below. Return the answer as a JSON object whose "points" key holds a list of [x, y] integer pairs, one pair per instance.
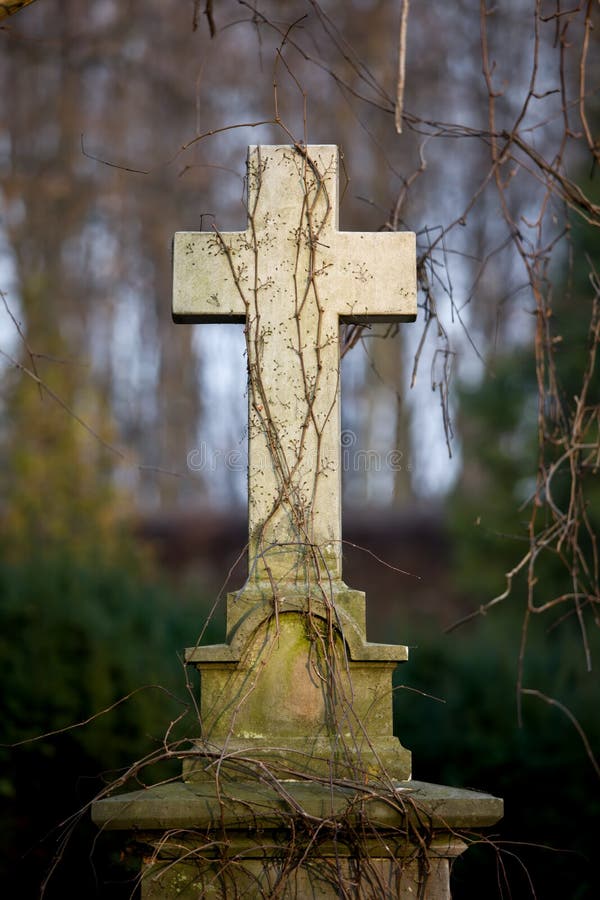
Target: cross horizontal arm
{"points": [[375, 275], [210, 272]]}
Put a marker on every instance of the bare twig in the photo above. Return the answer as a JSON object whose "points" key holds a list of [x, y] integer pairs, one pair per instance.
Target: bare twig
{"points": [[401, 66]]}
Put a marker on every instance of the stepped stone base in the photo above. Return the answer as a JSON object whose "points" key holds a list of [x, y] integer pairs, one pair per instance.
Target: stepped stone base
{"points": [[300, 688], [296, 839]]}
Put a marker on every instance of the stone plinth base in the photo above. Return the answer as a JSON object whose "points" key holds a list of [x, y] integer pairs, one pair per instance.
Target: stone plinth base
{"points": [[296, 840], [300, 689], [326, 877]]}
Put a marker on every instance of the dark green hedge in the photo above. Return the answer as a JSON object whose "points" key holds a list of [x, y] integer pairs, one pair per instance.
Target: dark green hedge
{"points": [[473, 739], [73, 641]]}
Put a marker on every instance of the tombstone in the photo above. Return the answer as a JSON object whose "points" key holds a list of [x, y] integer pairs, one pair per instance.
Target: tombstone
{"points": [[295, 785]]}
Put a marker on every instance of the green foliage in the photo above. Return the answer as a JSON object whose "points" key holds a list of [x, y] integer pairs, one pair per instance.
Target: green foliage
{"points": [[473, 739], [85, 624], [73, 641], [485, 514], [58, 452], [495, 512]]}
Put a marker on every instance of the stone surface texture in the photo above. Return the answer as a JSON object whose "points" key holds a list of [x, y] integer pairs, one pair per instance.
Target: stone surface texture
{"points": [[255, 805], [332, 712], [252, 839]]}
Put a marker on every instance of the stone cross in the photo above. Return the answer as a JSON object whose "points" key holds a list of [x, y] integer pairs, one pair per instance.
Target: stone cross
{"points": [[294, 783], [291, 277]]}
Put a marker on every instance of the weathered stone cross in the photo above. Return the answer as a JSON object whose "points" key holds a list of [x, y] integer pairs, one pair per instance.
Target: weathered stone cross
{"points": [[296, 707], [291, 277]]}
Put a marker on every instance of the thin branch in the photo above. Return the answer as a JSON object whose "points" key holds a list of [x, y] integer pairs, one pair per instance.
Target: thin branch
{"points": [[401, 66], [574, 721]]}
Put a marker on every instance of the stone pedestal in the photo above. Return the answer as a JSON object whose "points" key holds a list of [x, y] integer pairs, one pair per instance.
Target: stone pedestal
{"points": [[296, 786], [297, 840], [298, 687]]}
